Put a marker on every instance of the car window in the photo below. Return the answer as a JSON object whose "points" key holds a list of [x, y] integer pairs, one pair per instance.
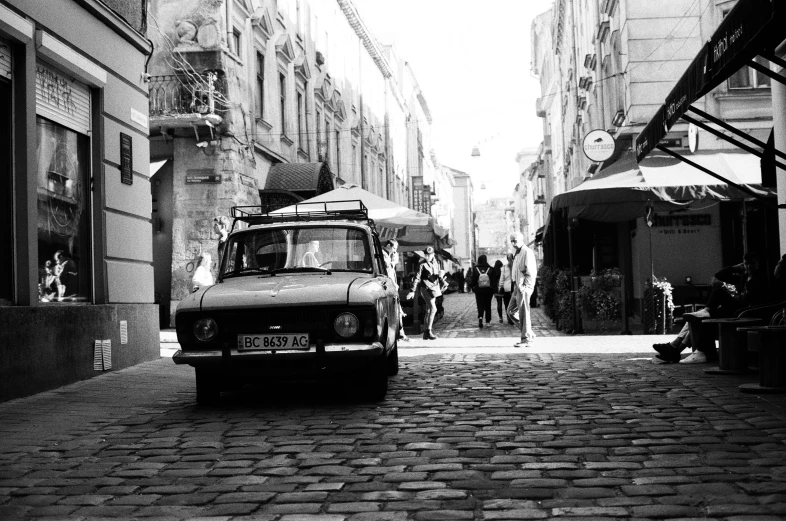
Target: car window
{"points": [[333, 248]]}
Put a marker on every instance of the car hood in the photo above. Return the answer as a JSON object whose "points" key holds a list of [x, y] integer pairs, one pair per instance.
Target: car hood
{"points": [[338, 288]]}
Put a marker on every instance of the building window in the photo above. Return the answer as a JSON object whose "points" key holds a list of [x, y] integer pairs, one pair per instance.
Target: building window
{"points": [[319, 135], [338, 152], [282, 89], [63, 214], [748, 78], [301, 122], [328, 139], [260, 85], [236, 42]]}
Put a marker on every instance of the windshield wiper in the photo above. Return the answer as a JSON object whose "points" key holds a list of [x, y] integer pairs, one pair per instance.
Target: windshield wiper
{"points": [[307, 268], [251, 271]]}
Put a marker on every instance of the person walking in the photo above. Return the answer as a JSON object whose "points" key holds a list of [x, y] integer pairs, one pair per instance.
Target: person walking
{"points": [[427, 281], [505, 287], [468, 277], [459, 276], [484, 280], [523, 273], [390, 253]]}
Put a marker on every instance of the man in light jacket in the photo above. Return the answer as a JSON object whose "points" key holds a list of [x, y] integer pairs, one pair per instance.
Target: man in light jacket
{"points": [[524, 273]]}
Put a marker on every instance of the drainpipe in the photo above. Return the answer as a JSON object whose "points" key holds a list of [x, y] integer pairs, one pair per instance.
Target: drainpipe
{"points": [[363, 183], [228, 5]]}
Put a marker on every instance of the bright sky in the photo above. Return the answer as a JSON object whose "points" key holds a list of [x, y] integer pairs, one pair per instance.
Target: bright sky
{"points": [[472, 62]]}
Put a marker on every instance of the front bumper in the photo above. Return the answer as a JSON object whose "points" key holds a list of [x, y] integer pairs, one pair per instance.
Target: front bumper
{"points": [[315, 355]]}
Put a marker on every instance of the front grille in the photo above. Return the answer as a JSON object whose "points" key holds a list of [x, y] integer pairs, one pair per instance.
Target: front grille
{"points": [[290, 320], [317, 322]]}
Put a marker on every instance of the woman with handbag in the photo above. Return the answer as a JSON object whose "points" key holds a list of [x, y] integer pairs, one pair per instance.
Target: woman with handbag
{"points": [[428, 281]]}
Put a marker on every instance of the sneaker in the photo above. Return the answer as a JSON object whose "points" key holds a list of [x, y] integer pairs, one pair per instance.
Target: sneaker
{"points": [[697, 357], [480, 323], [696, 315], [404, 338], [521, 343], [666, 359]]}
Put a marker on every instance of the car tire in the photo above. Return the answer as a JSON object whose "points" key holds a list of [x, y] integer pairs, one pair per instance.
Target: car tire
{"points": [[392, 361], [207, 386], [377, 380]]}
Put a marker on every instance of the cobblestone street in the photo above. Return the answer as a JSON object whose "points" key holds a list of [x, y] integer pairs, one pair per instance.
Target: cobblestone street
{"points": [[565, 429]]}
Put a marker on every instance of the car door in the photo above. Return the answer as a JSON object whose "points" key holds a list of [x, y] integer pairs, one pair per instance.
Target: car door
{"points": [[390, 305]]}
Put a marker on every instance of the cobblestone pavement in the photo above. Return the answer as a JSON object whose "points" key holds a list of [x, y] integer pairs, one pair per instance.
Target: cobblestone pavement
{"points": [[461, 320], [486, 434]]}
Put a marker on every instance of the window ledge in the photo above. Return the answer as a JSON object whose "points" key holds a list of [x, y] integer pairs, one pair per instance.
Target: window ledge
{"points": [[748, 93], [287, 140], [263, 123]]}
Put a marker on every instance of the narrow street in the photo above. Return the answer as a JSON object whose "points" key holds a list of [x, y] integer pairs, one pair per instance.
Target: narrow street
{"points": [[470, 429]]}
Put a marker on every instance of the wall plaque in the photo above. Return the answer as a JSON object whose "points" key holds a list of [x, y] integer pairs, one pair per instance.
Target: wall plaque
{"points": [[126, 160], [202, 176]]}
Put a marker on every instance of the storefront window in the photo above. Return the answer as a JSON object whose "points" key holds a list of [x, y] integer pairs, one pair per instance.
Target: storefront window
{"points": [[63, 229]]}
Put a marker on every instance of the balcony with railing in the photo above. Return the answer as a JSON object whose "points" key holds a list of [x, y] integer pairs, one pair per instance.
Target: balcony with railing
{"points": [[183, 101]]}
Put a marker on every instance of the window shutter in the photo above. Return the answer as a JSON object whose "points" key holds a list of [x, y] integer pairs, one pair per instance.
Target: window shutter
{"points": [[61, 98], [5, 59]]}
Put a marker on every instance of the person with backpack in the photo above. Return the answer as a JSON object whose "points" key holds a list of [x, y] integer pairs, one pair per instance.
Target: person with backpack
{"points": [[485, 280]]}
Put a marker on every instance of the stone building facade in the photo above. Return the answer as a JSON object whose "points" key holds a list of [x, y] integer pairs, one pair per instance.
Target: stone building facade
{"points": [[258, 102]]}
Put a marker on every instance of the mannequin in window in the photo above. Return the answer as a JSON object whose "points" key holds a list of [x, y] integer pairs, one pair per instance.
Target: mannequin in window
{"points": [[65, 270], [310, 258]]}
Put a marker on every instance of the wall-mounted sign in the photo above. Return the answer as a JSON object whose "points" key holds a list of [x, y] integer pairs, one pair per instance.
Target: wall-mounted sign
{"points": [[683, 220], [202, 176], [598, 145], [126, 160]]}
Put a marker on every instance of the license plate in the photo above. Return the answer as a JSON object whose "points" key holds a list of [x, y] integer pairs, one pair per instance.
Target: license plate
{"points": [[269, 342]]}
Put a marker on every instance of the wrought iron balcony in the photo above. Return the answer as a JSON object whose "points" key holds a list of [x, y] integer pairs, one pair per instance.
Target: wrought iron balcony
{"points": [[200, 96]]}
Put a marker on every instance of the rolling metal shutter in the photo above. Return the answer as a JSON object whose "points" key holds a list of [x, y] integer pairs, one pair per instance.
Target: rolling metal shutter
{"points": [[61, 98], [5, 58]]}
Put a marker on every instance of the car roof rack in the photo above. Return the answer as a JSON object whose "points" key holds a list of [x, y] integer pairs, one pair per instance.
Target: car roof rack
{"points": [[353, 210]]}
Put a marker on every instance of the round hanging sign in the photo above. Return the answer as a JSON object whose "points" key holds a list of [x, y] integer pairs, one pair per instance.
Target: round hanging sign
{"points": [[598, 145]]}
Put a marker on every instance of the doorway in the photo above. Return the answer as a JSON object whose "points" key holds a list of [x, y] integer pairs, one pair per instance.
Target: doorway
{"points": [[162, 197]]}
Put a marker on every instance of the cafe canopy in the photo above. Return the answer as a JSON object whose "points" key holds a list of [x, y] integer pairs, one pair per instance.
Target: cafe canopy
{"points": [[752, 28], [624, 189]]}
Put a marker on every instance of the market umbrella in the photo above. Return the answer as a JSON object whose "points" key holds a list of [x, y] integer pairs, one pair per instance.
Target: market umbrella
{"points": [[410, 228]]}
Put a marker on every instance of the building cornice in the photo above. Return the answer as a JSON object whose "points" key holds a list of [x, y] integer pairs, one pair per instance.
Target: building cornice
{"points": [[118, 23], [369, 42]]}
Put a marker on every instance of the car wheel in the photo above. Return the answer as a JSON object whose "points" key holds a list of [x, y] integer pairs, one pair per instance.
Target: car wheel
{"points": [[377, 380], [392, 361], [207, 386]]}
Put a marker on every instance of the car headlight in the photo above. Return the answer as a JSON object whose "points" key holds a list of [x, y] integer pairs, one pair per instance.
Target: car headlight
{"points": [[205, 329], [346, 325]]}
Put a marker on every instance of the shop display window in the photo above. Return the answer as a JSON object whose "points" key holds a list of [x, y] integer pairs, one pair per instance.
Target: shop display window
{"points": [[63, 214]]}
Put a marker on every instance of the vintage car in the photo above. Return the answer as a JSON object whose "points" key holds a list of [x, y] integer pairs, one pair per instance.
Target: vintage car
{"points": [[299, 295]]}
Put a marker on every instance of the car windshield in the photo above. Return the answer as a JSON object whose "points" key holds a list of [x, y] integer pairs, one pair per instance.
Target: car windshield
{"points": [[321, 248]]}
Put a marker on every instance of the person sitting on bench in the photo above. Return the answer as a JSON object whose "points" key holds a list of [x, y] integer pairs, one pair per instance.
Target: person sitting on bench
{"points": [[752, 288]]}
